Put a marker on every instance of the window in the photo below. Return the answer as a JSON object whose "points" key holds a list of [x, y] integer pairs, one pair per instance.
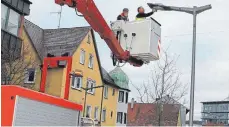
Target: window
{"points": [[90, 64], [89, 39], [29, 75], [113, 92], [88, 111], [82, 56], [13, 22], [76, 82], [119, 117], [126, 97], [96, 113], [3, 15], [104, 115], [91, 84], [121, 96], [210, 108], [106, 92], [206, 108], [124, 118], [111, 114], [10, 20]]}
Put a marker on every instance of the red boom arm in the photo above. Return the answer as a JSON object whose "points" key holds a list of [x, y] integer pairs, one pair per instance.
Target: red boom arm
{"points": [[97, 22]]}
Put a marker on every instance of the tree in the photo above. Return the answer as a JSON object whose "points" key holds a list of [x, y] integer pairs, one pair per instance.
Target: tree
{"points": [[15, 59], [164, 85]]}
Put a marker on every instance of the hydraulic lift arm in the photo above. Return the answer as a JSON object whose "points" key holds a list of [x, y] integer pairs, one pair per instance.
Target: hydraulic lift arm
{"points": [[95, 19]]}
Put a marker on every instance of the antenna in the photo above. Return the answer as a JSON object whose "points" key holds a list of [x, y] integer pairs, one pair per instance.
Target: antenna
{"points": [[59, 13]]}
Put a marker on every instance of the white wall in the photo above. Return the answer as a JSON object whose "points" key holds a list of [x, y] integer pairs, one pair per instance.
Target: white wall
{"points": [[122, 107]]}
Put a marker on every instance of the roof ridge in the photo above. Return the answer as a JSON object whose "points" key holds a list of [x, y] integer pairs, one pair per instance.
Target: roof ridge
{"points": [[69, 28], [33, 23], [57, 28]]}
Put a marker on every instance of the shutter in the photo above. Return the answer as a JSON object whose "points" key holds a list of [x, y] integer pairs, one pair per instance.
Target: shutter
{"points": [[31, 112], [73, 79], [121, 118]]}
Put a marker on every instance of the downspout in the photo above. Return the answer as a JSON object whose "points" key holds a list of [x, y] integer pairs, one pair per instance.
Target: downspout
{"points": [[101, 106], [85, 100]]}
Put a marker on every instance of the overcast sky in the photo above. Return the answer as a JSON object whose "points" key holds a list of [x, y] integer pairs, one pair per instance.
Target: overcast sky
{"points": [[212, 58]]}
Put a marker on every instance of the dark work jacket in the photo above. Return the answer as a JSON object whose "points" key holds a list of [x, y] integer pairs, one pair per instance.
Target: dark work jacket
{"points": [[121, 17], [144, 15]]}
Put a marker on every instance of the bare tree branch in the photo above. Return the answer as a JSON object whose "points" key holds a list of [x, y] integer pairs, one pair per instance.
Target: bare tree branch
{"points": [[164, 80], [14, 64]]}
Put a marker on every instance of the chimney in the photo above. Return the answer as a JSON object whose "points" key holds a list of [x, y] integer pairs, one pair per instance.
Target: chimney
{"points": [[132, 103]]}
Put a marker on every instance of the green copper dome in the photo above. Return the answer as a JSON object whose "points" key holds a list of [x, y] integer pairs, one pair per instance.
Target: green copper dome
{"points": [[120, 78]]}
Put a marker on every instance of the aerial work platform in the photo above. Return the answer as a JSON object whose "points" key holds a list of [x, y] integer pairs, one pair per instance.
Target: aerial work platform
{"points": [[142, 38]]}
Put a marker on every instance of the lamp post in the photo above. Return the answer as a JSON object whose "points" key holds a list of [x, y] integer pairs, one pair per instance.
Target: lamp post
{"points": [[194, 11], [85, 96]]}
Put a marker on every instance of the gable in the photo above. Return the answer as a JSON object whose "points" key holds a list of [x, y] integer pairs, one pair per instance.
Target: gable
{"points": [[29, 49], [35, 34], [55, 41]]}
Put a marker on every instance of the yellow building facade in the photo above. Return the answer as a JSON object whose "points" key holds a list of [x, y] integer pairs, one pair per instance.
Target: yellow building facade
{"points": [[86, 71]]}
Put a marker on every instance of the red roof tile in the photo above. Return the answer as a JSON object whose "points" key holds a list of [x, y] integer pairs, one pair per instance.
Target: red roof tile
{"points": [[144, 114]]}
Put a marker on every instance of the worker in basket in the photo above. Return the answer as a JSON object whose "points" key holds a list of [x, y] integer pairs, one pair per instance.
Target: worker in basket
{"points": [[142, 15], [123, 16]]}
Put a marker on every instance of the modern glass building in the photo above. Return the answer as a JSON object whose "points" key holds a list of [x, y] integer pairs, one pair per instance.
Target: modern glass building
{"points": [[215, 112]]}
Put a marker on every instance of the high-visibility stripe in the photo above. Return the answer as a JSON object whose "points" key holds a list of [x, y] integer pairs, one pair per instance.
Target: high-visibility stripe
{"points": [[139, 18], [159, 48]]}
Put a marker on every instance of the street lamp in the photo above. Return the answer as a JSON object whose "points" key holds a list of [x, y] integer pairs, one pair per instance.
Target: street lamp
{"points": [[85, 96], [194, 11]]}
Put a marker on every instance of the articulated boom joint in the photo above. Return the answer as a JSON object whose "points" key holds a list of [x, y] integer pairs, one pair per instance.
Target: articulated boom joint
{"points": [[70, 3]]}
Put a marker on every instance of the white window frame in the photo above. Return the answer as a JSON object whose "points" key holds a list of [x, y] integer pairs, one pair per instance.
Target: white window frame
{"points": [[7, 17], [96, 113], [119, 117], [104, 112], [90, 61], [26, 78], [106, 92], [88, 112], [90, 83], [75, 82], [82, 56], [123, 98]]}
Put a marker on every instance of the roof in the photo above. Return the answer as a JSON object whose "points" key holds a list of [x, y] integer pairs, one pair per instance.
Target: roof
{"points": [[58, 41], [120, 78], [107, 78], [169, 100], [55, 41], [28, 1], [145, 114], [215, 102]]}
